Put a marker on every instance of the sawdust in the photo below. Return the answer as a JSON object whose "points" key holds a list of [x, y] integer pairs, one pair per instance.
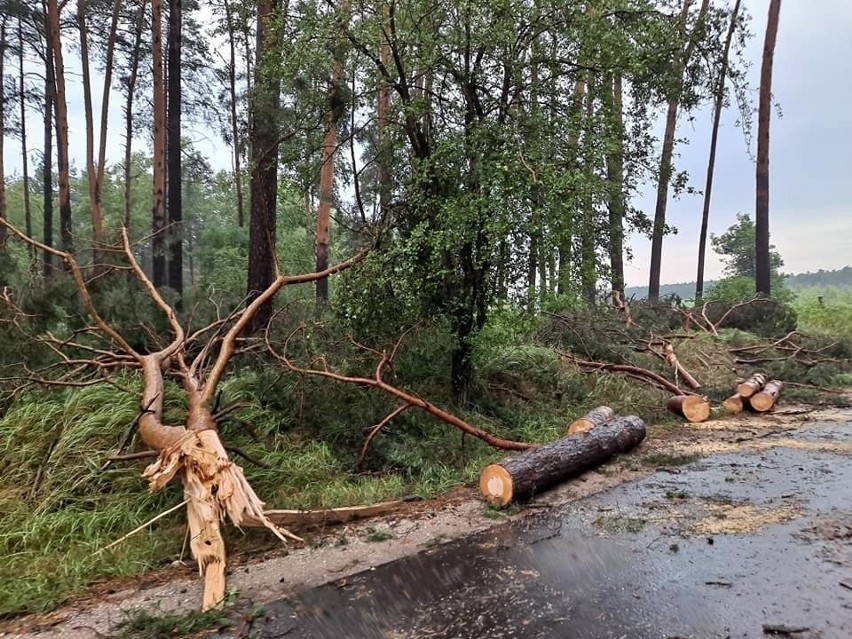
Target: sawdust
{"points": [[732, 519]]}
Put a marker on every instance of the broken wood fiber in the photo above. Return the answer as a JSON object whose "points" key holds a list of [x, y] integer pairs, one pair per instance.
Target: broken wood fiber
{"points": [[765, 399], [522, 477], [595, 417], [691, 407]]}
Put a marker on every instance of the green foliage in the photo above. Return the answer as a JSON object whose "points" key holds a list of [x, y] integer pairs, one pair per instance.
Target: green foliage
{"points": [[736, 246]]}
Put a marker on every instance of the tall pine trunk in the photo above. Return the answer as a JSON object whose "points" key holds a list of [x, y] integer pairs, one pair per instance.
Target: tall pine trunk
{"points": [[173, 148], [328, 155], [91, 171], [61, 110], [128, 117], [3, 232], [25, 160], [763, 269], [615, 182], [566, 239], [665, 174], [718, 103], [264, 162], [47, 156], [158, 209]]}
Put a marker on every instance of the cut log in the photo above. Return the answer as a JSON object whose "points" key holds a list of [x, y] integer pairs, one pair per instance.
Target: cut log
{"points": [[734, 404], [520, 478], [766, 398], [751, 385], [595, 417], [691, 407]]}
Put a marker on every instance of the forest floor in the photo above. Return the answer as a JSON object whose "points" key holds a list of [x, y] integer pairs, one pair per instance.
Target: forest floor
{"points": [[337, 554]]}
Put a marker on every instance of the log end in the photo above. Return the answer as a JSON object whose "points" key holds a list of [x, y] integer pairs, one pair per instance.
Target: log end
{"points": [[580, 426], [495, 485], [733, 405], [692, 407]]}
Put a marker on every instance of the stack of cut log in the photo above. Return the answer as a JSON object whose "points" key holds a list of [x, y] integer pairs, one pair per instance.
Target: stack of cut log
{"points": [[756, 393], [591, 441]]}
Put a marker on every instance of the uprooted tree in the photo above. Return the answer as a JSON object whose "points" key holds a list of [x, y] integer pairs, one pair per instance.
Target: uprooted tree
{"points": [[213, 485]]}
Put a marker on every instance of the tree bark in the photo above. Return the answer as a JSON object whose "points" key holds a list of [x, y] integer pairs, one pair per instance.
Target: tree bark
{"points": [[264, 163], [91, 172], [382, 113], [718, 104], [615, 180], [25, 160], [61, 112], [668, 150], [128, 117], [326, 193], [520, 478], [565, 241], [691, 407], [174, 235], [158, 210], [47, 159], [763, 269], [3, 214]]}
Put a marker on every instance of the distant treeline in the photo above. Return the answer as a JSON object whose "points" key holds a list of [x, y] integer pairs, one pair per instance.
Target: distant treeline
{"points": [[841, 278]]}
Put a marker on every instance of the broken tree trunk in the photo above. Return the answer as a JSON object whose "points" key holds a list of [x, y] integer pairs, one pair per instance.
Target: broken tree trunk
{"points": [[520, 478], [692, 407], [680, 371], [765, 399], [734, 404], [753, 384], [595, 417]]}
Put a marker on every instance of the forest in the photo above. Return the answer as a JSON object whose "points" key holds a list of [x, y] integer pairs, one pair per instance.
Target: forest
{"points": [[416, 254]]}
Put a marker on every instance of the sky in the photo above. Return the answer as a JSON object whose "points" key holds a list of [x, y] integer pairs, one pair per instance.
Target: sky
{"points": [[810, 154]]}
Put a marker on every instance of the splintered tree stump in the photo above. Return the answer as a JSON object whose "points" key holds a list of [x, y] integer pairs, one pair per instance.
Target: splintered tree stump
{"points": [[691, 407], [750, 386], [520, 478], [595, 417], [734, 404], [766, 398]]}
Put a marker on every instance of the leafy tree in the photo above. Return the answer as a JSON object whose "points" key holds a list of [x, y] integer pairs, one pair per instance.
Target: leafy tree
{"points": [[736, 246]]}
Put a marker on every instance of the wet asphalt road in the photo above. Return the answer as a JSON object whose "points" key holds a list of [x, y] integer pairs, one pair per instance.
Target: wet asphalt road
{"points": [[732, 545]]}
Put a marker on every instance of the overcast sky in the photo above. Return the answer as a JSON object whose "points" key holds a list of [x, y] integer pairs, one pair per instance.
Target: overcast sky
{"points": [[810, 162], [810, 153]]}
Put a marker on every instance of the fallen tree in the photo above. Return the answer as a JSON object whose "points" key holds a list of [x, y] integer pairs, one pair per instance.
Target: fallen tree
{"points": [[214, 486], [320, 368], [522, 477]]}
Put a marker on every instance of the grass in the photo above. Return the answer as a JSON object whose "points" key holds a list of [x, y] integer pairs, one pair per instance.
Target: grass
{"points": [[677, 495], [375, 535], [142, 624]]}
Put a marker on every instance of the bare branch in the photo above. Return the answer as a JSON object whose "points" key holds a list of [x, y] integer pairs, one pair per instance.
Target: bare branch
{"points": [[226, 351]]}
